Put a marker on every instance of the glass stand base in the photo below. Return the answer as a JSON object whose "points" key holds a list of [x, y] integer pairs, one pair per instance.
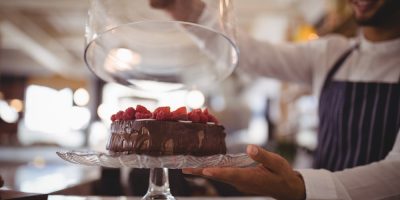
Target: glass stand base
{"points": [[158, 197], [158, 185]]}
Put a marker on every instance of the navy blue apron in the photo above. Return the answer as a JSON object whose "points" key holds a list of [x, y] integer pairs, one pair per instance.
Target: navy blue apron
{"points": [[359, 121]]}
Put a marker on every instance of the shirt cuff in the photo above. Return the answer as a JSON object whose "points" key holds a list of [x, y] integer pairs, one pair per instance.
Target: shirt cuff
{"points": [[319, 184]]}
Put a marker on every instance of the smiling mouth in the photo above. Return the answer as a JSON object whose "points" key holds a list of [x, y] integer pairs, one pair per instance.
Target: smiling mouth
{"points": [[364, 5]]}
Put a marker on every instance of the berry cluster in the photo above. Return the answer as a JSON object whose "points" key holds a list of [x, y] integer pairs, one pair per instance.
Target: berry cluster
{"points": [[165, 114]]}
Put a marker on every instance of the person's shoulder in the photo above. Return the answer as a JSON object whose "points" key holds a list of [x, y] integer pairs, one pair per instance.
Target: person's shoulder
{"points": [[337, 43], [330, 44], [335, 37]]}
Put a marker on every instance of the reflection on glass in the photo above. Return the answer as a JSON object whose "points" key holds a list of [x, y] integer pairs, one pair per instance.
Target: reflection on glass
{"points": [[195, 99], [134, 44], [81, 97]]}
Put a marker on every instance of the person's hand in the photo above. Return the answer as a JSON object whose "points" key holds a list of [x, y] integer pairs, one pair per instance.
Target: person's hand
{"points": [[272, 177], [182, 10]]}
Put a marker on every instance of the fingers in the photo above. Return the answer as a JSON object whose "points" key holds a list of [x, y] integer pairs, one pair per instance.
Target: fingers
{"points": [[194, 171], [227, 175], [271, 161], [233, 176], [214, 173]]}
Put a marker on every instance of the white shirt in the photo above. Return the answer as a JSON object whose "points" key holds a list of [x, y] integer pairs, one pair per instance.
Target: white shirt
{"points": [[308, 64]]}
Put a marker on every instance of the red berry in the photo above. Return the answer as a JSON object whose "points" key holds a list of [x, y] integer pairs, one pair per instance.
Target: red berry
{"points": [[197, 110], [113, 117], [180, 114], [203, 118], [142, 109], [164, 116], [212, 119], [129, 114], [194, 116], [181, 110], [165, 109], [139, 115], [130, 110], [119, 115]]}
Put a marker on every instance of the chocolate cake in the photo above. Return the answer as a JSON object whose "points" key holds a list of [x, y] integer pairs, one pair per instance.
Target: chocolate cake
{"points": [[166, 133]]}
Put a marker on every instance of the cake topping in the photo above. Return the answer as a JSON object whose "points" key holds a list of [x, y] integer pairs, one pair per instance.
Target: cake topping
{"points": [[162, 113], [210, 118], [129, 114], [142, 113], [119, 115], [180, 114], [165, 114], [113, 117]]}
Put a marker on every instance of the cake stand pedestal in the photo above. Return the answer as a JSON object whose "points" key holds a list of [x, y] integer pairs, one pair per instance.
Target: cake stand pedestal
{"points": [[158, 185]]}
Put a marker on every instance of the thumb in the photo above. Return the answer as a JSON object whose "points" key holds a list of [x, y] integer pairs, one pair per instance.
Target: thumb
{"points": [[271, 161]]}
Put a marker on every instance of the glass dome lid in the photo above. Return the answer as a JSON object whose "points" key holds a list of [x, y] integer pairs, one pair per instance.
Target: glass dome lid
{"points": [[151, 47]]}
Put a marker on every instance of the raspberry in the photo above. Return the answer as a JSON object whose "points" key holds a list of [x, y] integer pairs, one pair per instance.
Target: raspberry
{"points": [[158, 110], [139, 115], [130, 110], [164, 116], [210, 117], [198, 116], [142, 109], [113, 117], [197, 111], [142, 112], [129, 114], [194, 116], [119, 115], [180, 114], [203, 118], [181, 110]]}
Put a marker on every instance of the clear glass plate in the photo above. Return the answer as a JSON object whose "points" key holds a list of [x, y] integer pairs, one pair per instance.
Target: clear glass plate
{"points": [[144, 161]]}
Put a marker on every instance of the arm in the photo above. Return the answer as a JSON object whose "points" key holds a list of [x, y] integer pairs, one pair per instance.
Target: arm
{"points": [[379, 180], [289, 62], [274, 177]]}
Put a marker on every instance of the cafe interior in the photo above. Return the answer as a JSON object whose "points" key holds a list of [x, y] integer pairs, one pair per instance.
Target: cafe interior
{"points": [[51, 101]]}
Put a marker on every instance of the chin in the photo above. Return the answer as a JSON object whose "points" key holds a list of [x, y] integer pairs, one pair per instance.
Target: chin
{"points": [[375, 12]]}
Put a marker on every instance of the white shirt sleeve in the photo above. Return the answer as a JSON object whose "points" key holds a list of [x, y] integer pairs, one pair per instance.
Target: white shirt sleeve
{"points": [[378, 180], [306, 63]]}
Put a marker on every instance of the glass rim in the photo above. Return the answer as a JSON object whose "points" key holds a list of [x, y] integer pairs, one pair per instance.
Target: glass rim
{"points": [[88, 43]]}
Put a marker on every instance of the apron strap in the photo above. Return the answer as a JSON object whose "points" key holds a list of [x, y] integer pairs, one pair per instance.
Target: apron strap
{"points": [[337, 65]]}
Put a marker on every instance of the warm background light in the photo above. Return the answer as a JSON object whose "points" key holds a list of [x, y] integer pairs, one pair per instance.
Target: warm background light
{"points": [[17, 105], [81, 97], [195, 99], [8, 113]]}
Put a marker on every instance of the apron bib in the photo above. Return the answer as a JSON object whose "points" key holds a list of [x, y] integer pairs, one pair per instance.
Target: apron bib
{"points": [[359, 121]]}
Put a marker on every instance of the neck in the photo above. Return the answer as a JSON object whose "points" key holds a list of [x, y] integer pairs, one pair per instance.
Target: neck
{"points": [[377, 34]]}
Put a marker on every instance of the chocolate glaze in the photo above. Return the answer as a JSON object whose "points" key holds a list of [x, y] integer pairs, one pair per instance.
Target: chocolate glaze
{"points": [[158, 138]]}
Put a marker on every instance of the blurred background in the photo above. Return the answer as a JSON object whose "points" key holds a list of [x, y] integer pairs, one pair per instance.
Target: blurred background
{"points": [[50, 101]]}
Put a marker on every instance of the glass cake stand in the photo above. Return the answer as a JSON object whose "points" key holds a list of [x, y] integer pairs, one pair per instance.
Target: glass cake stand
{"points": [[160, 45], [158, 180]]}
